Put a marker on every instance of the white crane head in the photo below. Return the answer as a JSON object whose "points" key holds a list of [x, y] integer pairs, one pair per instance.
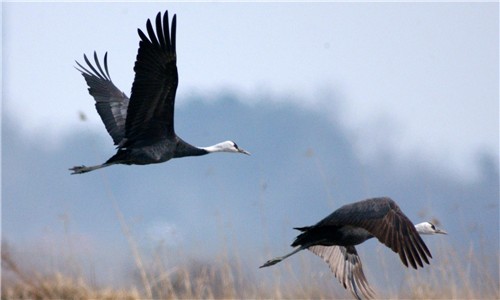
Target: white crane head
{"points": [[428, 228], [227, 146]]}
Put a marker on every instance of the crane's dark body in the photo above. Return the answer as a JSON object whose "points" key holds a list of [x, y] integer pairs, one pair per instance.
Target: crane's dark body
{"points": [[354, 223], [142, 127], [331, 236], [161, 151], [334, 239]]}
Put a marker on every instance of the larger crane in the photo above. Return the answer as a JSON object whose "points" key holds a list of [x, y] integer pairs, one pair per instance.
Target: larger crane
{"points": [[143, 127], [334, 239]]}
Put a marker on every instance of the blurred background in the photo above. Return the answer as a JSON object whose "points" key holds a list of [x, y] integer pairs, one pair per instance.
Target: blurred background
{"points": [[337, 102]]}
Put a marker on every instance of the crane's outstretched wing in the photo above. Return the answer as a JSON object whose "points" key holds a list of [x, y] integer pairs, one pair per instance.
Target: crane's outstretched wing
{"points": [[111, 103], [383, 218], [151, 110], [347, 268]]}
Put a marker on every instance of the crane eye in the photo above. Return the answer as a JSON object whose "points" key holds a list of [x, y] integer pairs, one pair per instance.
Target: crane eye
{"points": [[235, 146], [433, 227]]}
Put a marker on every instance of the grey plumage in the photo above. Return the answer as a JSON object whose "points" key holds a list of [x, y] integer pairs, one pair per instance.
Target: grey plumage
{"points": [[142, 127], [334, 239], [111, 103], [346, 265]]}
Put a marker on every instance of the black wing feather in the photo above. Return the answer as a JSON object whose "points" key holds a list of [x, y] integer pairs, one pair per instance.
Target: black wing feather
{"points": [[174, 34], [151, 108], [98, 64], [405, 239]]}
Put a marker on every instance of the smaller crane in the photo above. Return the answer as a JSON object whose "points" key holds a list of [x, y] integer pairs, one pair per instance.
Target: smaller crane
{"points": [[333, 239]]}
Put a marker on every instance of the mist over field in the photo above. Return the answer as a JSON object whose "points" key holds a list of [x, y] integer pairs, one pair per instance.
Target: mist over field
{"points": [[336, 102], [303, 166]]}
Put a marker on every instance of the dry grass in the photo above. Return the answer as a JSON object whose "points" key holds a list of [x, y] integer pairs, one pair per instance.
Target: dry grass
{"points": [[455, 277], [22, 284], [226, 279]]}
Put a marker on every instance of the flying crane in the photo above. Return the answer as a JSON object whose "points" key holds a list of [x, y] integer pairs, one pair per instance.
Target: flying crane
{"points": [[142, 127], [334, 239]]}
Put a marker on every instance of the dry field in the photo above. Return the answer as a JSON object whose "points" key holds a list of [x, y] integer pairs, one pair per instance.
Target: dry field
{"points": [[454, 277]]}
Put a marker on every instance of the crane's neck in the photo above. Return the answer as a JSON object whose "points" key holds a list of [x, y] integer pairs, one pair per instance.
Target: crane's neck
{"points": [[220, 147], [420, 228], [427, 228], [184, 149]]}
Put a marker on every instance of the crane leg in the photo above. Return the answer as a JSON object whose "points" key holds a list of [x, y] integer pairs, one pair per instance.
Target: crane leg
{"points": [[280, 258], [84, 169]]}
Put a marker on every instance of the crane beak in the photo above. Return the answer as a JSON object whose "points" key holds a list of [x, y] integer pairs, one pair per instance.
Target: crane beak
{"points": [[243, 151], [440, 231]]}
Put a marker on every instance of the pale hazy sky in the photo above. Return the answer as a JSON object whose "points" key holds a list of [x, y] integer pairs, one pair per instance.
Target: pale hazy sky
{"points": [[419, 80]]}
